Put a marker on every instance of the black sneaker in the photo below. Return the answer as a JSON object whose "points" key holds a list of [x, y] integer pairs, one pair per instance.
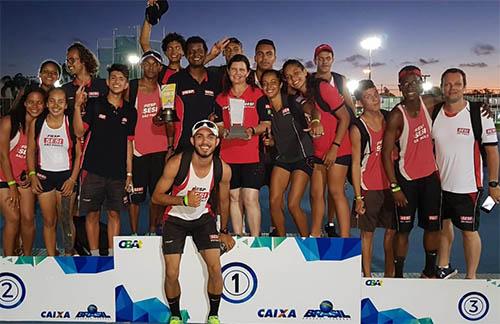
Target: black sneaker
{"points": [[446, 273], [330, 230]]}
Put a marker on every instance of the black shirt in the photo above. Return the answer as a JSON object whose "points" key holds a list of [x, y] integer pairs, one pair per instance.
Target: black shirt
{"points": [[197, 100], [106, 144], [287, 124], [95, 89]]}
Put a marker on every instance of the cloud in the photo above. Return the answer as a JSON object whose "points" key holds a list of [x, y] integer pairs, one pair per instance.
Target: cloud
{"points": [[374, 64], [427, 61], [407, 63], [483, 49], [354, 58], [474, 65], [309, 65]]}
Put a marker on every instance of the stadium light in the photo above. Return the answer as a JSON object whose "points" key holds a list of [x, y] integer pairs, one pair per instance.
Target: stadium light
{"points": [[370, 44], [133, 59], [426, 86], [352, 85]]}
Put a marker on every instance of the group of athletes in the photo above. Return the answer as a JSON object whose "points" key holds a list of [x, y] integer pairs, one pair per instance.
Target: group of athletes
{"points": [[79, 148]]}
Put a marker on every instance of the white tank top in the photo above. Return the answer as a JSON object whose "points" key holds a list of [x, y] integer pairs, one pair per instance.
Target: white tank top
{"points": [[54, 148], [202, 185]]}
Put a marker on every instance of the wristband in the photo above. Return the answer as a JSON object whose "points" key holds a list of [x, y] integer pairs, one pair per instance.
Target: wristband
{"points": [[358, 197], [11, 183], [31, 173], [396, 189], [185, 201], [129, 174], [170, 147], [315, 121], [336, 144]]}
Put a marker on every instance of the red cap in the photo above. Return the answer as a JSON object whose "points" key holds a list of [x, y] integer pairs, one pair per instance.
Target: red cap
{"points": [[404, 73], [321, 48]]}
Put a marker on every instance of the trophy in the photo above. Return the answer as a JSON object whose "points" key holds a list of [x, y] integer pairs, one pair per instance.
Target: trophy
{"points": [[166, 113], [236, 110]]}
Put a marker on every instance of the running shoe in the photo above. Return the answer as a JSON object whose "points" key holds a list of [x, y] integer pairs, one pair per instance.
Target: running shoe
{"points": [[175, 320], [446, 273], [214, 319], [330, 230]]}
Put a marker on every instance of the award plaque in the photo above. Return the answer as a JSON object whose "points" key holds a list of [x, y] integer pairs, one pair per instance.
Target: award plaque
{"points": [[236, 110]]}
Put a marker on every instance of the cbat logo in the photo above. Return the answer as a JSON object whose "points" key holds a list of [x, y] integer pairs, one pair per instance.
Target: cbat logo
{"points": [[326, 311], [92, 313], [130, 244], [373, 282], [55, 314], [276, 313]]}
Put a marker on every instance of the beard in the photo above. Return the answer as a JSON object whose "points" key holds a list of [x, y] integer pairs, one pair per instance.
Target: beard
{"points": [[203, 154]]}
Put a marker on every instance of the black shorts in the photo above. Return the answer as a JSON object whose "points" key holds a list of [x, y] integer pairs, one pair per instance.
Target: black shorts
{"points": [[203, 230], [424, 195], [306, 165], [380, 211], [146, 171], [462, 209], [342, 160], [247, 175], [97, 191], [52, 180]]}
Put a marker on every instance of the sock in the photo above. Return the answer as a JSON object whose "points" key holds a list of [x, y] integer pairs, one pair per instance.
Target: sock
{"points": [[214, 304], [94, 252], [110, 252], [430, 263], [399, 263], [173, 304]]}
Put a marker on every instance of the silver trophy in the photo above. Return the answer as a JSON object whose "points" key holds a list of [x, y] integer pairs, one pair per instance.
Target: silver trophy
{"points": [[236, 113]]}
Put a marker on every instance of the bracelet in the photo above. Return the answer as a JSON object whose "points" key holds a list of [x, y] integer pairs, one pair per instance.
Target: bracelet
{"points": [[396, 189], [170, 147], [253, 131], [336, 144], [31, 173], [316, 120], [11, 183], [70, 179], [359, 197], [129, 174], [185, 201]]}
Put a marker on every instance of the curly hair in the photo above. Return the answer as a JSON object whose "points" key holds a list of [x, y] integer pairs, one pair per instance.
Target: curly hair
{"points": [[88, 58], [172, 37]]}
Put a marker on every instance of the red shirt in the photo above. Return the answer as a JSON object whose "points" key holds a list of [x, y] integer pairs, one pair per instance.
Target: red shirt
{"points": [[17, 156], [149, 138], [416, 155], [236, 150], [373, 175], [323, 143]]}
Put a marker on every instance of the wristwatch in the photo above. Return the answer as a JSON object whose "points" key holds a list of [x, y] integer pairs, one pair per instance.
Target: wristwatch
{"points": [[394, 185], [493, 183]]}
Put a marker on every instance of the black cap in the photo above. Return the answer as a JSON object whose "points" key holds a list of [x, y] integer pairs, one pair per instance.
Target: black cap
{"points": [[154, 12]]}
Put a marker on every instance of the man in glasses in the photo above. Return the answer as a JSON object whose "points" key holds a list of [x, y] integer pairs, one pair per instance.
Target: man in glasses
{"points": [[414, 181], [197, 182], [82, 64]]}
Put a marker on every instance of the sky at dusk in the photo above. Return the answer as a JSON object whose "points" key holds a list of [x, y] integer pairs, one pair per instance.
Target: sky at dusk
{"points": [[432, 35]]}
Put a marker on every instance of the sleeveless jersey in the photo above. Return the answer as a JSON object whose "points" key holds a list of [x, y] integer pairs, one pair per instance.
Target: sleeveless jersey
{"points": [[372, 171], [17, 156], [192, 182], [55, 147], [416, 156]]}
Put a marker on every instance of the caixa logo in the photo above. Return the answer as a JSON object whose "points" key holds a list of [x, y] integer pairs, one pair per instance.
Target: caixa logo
{"points": [[55, 314], [326, 311], [92, 312], [373, 282], [276, 313], [130, 244]]}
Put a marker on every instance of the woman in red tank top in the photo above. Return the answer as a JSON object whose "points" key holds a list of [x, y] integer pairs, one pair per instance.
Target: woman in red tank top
{"points": [[332, 150], [17, 201]]}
